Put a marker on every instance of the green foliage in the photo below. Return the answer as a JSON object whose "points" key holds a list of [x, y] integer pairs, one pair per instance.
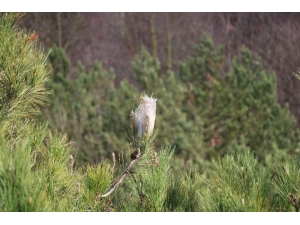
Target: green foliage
{"points": [[23, 75], [183, 192], [147, 187], [203, 110], [54, 165], [286, 182], [239, 104], [37, 166], [95, 180], [20, 191], [174, 126], [76, 105], [59, 61], [23, 72], [238, 184]]}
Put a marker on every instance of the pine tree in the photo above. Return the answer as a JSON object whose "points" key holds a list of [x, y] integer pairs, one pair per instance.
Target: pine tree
{"points": [[37, 171], [174, 126], [23, 75], [77, 105], [238, 104], [36, 166]]}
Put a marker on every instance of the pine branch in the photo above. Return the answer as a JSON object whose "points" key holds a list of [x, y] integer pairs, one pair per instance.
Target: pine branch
{"points": [[134, 156]]}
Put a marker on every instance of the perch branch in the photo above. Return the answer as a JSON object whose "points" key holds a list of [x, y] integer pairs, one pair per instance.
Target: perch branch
{"points": [[134, 156]]}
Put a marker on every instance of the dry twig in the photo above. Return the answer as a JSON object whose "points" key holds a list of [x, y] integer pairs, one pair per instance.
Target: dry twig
{"points": [[135, 156]]}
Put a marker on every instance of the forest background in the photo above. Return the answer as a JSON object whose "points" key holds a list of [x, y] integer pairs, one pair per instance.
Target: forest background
{"points": [[115, 39], [226, 132]]}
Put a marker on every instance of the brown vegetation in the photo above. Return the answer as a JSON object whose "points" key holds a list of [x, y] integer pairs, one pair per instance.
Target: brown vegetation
{"points": [[114, 39]]}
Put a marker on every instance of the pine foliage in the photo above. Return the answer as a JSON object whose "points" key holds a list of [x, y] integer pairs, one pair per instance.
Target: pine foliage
{"points": [[76, 105], [236, 109], [238, 105], [36, 166]]}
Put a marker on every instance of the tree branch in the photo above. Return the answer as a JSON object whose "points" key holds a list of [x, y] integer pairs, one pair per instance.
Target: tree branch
{"points": [[134, 156], [59, 29]]}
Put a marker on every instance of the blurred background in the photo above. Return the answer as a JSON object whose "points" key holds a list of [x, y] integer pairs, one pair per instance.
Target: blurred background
{"points": [[100, 62], [114, 39]]}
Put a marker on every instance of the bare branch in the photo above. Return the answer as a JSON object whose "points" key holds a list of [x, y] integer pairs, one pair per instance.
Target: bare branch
{"points": [[115, 185], [114, 160]]}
